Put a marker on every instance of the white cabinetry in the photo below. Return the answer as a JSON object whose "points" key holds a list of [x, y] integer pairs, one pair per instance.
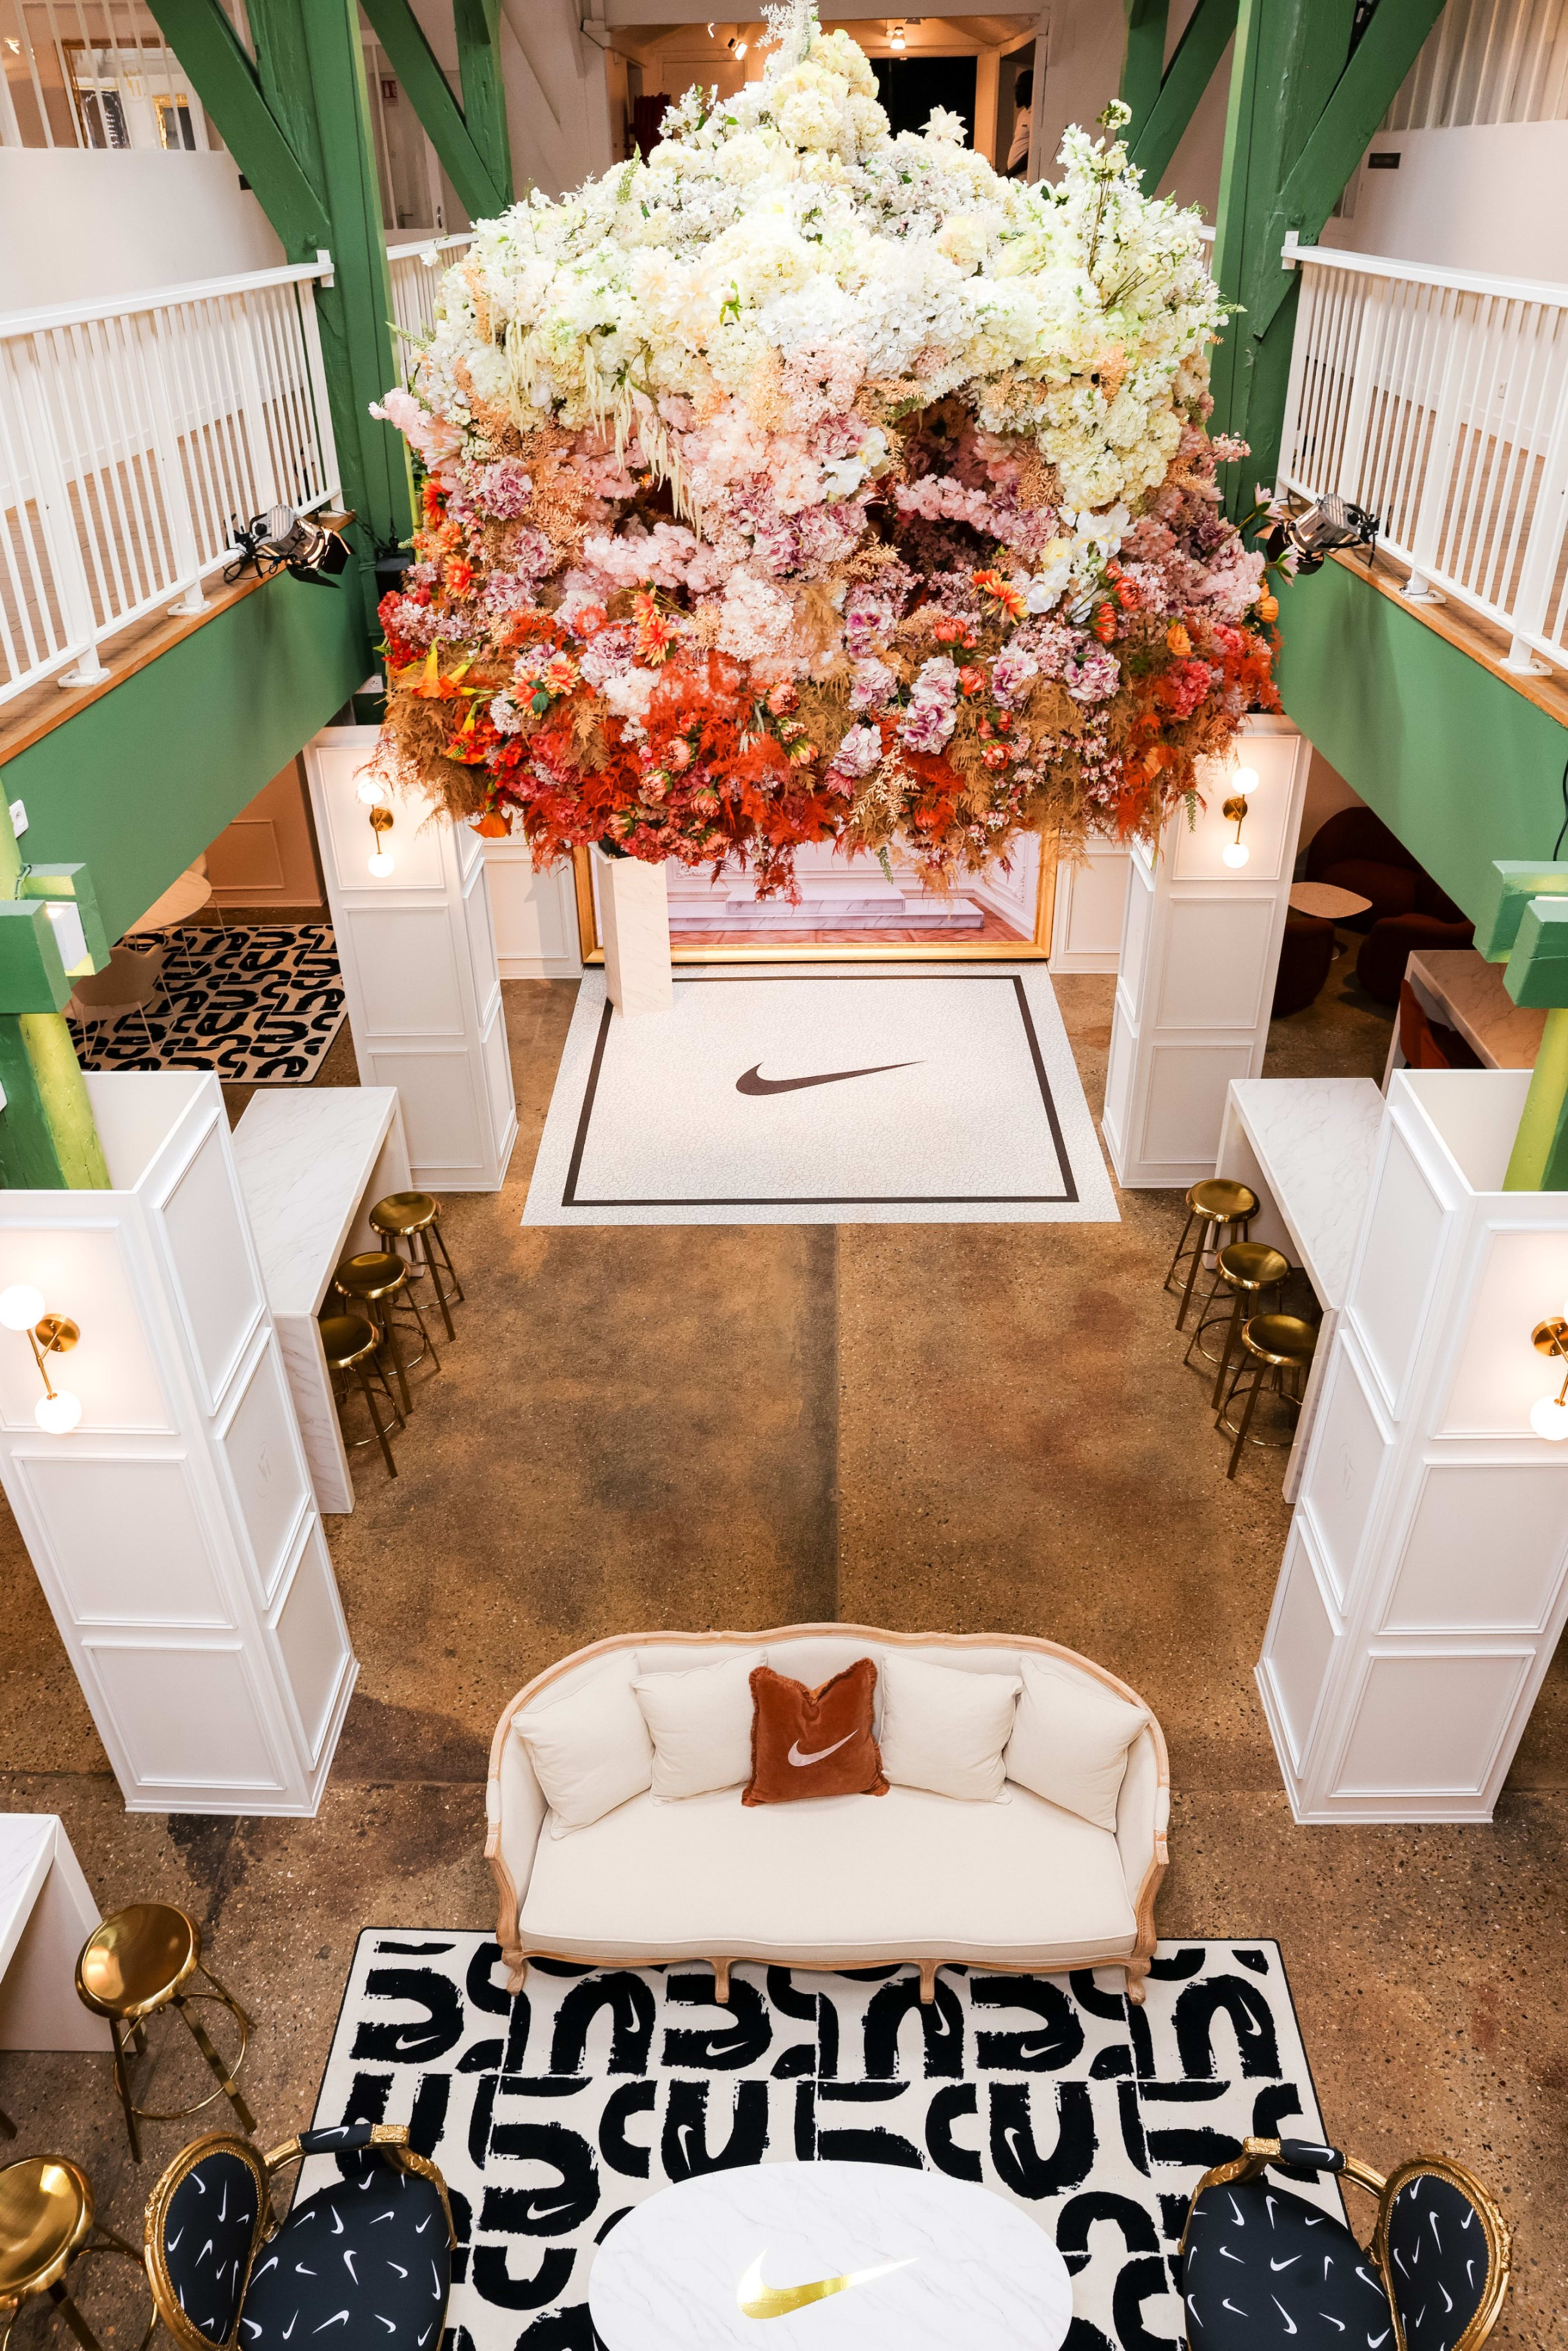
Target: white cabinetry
{"points": [[418, 957], [1200, 950], [1425, 1582], [174, 1531]]}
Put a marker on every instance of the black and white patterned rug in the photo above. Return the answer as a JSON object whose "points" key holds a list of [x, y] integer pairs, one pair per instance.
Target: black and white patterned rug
{"points": [[258, 1003], [553, 2114]]}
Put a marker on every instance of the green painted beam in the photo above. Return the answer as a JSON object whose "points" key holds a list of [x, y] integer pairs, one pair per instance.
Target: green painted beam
{"points": [[1143, 60], [48, 1138], [312, 74], [1361, 98], [205, 44], [465, 161], [478, 28], [137, 783], [1188, 75], [1463, 768], [1512, 887]]}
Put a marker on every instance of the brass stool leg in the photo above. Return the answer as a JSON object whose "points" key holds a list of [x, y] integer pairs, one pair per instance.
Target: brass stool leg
{"points": [[72, 2316], [459, 1294], [1214, 1289], [376, 1420], [1246, 1423], [435, 1282], [122, 2083], [1209, 1225], [1232, 1338], [1171, 1270], [389, 1338], [199, 2034], [427, 1344]]}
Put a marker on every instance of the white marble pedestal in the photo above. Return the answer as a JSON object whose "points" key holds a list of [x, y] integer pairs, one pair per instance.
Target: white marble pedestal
{"points": [[47, 1913], [913, 2261], [634, 915]]}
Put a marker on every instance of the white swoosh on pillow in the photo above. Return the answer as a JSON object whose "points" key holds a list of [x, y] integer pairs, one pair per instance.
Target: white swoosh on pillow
{"points": [[798, 1759]]}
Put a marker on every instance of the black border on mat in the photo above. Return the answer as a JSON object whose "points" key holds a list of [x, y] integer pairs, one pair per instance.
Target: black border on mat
{"points": [[1069, 1197]]}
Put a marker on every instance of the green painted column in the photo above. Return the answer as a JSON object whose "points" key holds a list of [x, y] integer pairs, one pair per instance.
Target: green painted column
{"points": [[1523, 925], [478, 26], [48, 1140], [1144, 62], [310, 67]]}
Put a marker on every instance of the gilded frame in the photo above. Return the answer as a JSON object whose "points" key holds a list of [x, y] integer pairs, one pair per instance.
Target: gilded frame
{"points": [[1134, 1963], [165, 2301], [1035, 950]]}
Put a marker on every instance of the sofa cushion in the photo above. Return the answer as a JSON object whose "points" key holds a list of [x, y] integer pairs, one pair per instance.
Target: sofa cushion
{"points": [[1071, 1739], [590, 1748], [833, 1881], [814, 1742], [700, 1723], [945, 1729]]}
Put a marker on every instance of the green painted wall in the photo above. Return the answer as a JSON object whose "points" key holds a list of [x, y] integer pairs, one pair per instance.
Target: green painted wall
{"points": [[138, 782], [1460, 766]]}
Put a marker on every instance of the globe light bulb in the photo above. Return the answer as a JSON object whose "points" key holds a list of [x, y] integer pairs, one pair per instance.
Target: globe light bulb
{"points": [[1550, 1419], [1234, 852], [59, 1413], [1245, 781], [381, 865], [21, 1306], [373, 791]]}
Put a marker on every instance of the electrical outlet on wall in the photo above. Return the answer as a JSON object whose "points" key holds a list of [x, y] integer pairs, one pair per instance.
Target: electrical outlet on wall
{"points": [[18, 818]]}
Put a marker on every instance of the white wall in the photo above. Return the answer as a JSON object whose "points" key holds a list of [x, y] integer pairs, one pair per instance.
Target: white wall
{"points": [[557, 99], [1084, 66], [1487, 196], [83, 223]]}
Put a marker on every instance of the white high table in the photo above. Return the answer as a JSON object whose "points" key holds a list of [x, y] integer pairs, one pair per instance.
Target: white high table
{"points": [[1306, 1146], [312, 1163], [46, 1914]]}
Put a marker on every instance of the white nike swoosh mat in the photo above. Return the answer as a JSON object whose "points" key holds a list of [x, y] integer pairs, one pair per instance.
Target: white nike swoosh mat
{"points": [[826, 1094]]}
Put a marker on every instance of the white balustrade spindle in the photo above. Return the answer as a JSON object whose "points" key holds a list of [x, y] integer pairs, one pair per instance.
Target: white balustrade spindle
{"points": [[136, 436], [416, 270], [1438, 401]]}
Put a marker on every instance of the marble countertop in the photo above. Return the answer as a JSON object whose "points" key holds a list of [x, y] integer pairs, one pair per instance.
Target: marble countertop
{"points": [[1469, 992], [1315, 1139], [26, 1855], [304, 1157]]}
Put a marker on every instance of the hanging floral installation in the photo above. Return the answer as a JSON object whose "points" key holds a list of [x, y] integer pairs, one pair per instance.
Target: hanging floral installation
{"points": [[807, 483]]}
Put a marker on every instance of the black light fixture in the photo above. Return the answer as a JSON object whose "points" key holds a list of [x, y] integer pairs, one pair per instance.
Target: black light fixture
{"points": [[283, 541], [1332, 522]]}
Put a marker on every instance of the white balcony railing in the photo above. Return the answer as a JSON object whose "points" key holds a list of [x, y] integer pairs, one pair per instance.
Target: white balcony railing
{"points": [[135, 434], [416, 271], [1439, 402]]}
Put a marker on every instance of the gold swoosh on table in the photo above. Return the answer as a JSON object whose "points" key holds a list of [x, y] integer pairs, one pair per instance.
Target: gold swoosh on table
{"points": [[759, 2301]]}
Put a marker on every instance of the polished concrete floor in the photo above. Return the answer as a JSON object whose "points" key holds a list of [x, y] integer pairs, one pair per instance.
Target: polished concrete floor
{"points": [[914, 1425]]}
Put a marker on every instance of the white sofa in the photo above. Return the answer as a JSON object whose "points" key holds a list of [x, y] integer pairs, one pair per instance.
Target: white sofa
{"points": [[835, 1882]]}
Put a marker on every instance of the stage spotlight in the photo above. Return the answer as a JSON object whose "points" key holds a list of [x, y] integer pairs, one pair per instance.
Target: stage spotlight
{"points": [[1332, 522]]}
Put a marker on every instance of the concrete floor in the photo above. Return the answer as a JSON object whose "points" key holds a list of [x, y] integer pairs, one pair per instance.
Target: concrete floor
{"points": [[919, 1426]]}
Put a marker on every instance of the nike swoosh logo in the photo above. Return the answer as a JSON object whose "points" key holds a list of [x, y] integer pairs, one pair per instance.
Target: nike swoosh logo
{"points": [[798, 1755], [759, 2301], [750, 1084]]}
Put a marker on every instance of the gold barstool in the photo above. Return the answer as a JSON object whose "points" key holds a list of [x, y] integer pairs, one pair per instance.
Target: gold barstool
{"points": [[1245, 1268], [46, 2225], [350, 1344], [415, 1217], [1276, 1349], [1211, 1206], [141, 1961], [379, 1279]]}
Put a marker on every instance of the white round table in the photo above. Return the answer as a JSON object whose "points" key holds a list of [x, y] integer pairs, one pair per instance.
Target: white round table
{"points": [[184, 894], [899, 2261], [1327, 901]]}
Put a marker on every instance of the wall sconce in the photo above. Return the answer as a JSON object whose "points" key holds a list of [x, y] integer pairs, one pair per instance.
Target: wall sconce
{"points": [[372, 790], [1235, 852], [380, 859], [21, 1309], [1549, 1416]]}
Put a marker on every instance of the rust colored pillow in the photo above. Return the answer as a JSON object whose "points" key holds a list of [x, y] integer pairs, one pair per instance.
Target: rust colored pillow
{"points": [[815, 1742]]}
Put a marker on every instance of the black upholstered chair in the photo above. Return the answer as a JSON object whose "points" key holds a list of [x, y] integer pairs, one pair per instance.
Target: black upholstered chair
{"points": [[1261, 2267], [371, 2254]]}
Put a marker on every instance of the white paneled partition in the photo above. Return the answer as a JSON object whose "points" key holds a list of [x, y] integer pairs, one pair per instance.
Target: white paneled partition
{"points": [[418, 956], [1200, 951], [1089, 909], [1425, 1582], [534, 914], [174, 1530]]}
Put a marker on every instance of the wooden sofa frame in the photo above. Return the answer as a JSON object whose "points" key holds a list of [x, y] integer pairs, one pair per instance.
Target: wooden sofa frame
{"points": [[508, 1931]]}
